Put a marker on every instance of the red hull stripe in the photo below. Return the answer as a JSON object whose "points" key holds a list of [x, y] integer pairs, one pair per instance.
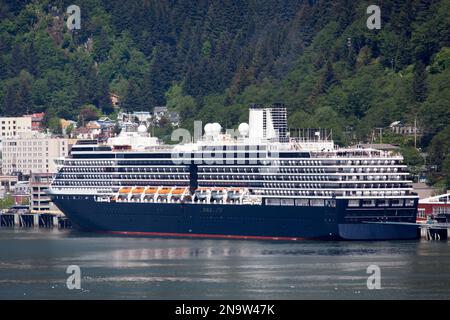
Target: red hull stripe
{"points": [[197, 235]]}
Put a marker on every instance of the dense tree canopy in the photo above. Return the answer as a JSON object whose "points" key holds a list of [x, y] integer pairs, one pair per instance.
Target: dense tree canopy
{"points": [[208, 59]]}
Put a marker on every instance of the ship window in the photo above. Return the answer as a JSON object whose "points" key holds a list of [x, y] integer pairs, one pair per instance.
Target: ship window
{"points": [[287, 202], [441, 210], [383, 203], [368, 203], [397, 203], [421, 213], [353, 203], [317, 203], [273, 202], [409, 202], [302, 202]]}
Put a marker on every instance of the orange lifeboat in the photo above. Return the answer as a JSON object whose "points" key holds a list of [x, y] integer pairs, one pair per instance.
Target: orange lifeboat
{"points": [[164, 191], [125, 190], [138, 190], [151, 191], [179, 191]]}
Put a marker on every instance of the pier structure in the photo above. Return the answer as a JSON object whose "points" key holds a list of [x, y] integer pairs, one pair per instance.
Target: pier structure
{"points": [[33, 220], [435, 231]]}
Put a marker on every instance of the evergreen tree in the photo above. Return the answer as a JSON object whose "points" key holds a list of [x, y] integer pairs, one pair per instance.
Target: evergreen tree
{"points": [[31, 59], [225, 55], [51, 121], [160, 75], [101, 46], [132, 99], [103, 96], [9, 101], [324, 82], [24, 100], [419, 83], [81, 97], [17, 61], [328, 77], [3, 68]]}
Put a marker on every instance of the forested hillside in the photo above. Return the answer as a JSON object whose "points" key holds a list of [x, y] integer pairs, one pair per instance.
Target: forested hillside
{"points": [[208, 59]]}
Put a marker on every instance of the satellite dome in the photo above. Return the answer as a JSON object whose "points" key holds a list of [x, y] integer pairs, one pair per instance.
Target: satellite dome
{"points": [[216, 128], [243, 129], [142, 128], [208, 129]]}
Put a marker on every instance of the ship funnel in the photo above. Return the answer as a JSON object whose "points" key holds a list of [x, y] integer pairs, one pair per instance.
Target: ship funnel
{"points": [[268, 123]]}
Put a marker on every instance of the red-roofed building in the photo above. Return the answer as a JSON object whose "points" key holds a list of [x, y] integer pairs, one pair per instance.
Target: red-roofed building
{"points": [[36, 120], [432, 206]]}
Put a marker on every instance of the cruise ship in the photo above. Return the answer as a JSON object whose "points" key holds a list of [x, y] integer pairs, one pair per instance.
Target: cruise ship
{"points": [[256, 182]]}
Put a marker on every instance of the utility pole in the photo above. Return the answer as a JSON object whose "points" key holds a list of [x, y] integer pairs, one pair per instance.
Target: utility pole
{"points": [[415, 132], [380, 134]]}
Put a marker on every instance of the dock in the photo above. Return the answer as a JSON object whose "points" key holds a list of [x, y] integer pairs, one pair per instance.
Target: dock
{"points": [[33, 220], [435, 231]]}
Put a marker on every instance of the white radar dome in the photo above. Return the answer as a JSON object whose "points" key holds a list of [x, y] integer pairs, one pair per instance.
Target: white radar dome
{"points": [[243, 129], [142, 129], [216, 128], [208, 129]]}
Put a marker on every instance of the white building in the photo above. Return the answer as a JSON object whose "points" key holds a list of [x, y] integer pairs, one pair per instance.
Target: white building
{"points": [[160, 111], [137, 116], [13, 126], [33, 153], [142, 116]]}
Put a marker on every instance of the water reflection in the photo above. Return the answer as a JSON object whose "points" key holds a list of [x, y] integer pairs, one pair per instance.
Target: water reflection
{"points": [[32, 264]]}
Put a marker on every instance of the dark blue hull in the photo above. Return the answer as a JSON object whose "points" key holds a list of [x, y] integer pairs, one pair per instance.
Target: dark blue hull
{"points": [[230, 221], [378, 231]]}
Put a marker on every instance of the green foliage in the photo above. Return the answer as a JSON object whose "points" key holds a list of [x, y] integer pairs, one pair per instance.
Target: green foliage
{"points": [[132, 99], [412, 156], [446, 171], [69, 129], [163, 131], [7, 202], [54, 125], [209, 59], [176, 101], [439, 150], [52, 122], [441, 61]]}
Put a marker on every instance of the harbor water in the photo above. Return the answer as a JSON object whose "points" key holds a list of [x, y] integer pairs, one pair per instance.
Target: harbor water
{"points": [[34, 262]]}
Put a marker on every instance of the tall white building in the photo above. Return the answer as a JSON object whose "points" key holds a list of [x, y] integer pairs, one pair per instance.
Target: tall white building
{"points": [[13, 126], [33, 153]]}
